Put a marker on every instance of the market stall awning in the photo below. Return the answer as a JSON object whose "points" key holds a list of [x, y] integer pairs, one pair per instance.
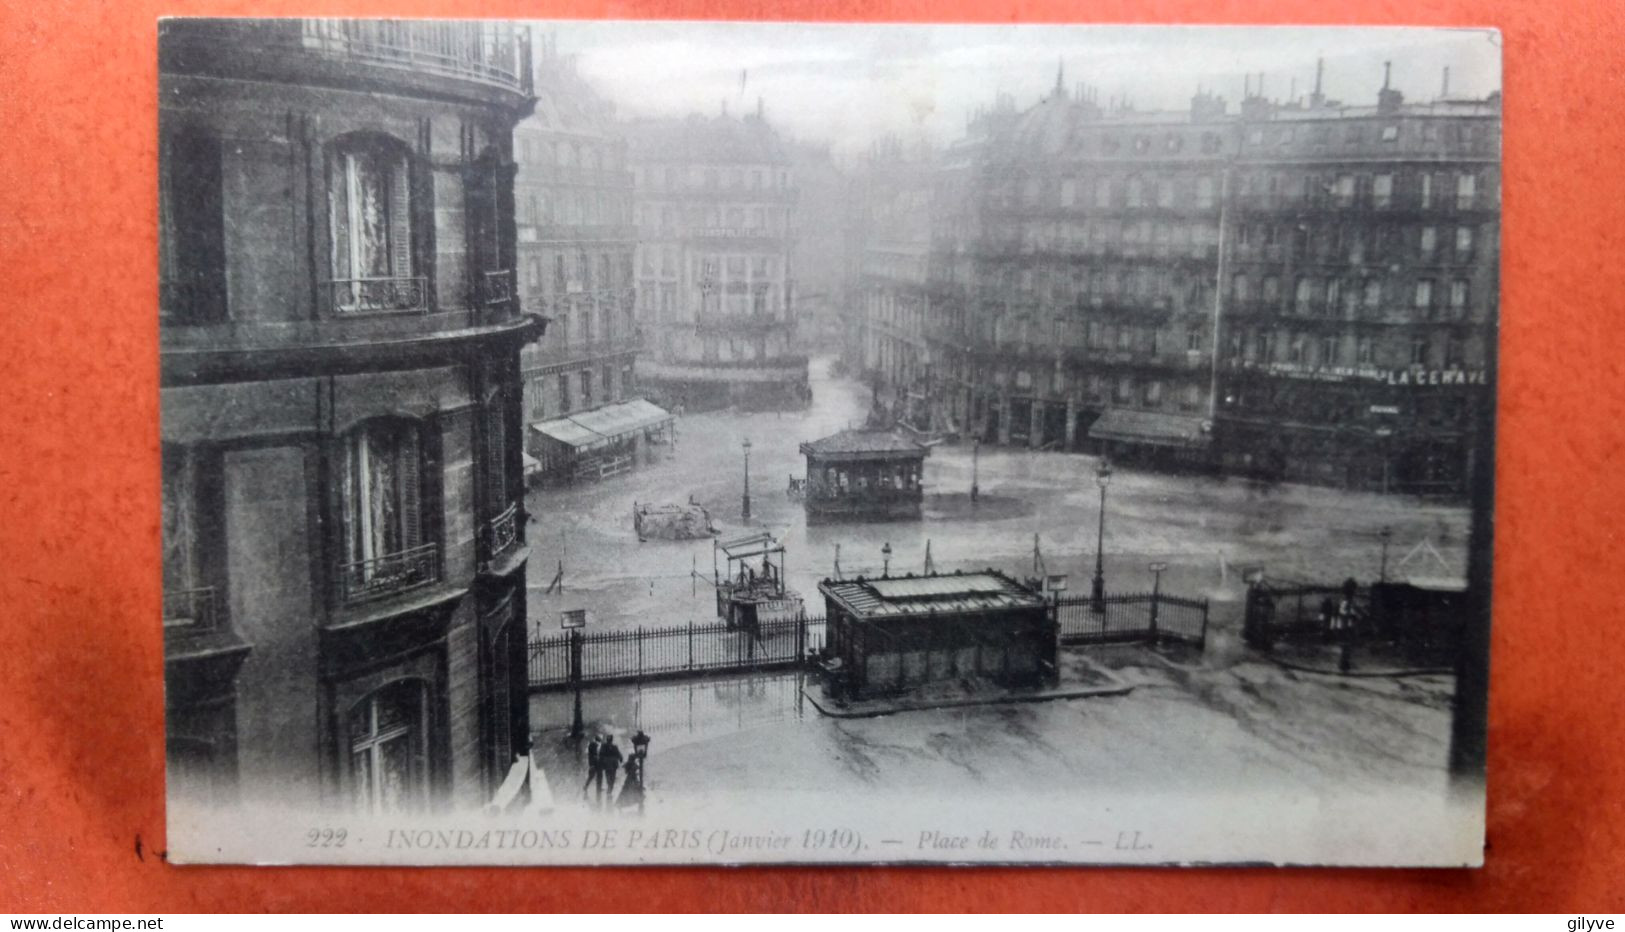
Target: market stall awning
{"points": [[622, 419], [568, 432], [649, 413], [1154, 427], [532, 464]]}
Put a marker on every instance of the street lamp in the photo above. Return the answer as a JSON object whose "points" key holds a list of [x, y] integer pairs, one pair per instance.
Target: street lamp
{"points": [[885, 567], [1097, 588], [1386, 533], [1156, 594], [975, 469], [746, 503]]}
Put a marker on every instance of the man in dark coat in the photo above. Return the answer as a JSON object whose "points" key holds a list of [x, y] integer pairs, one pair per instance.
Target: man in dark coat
{"points": [[595, 773], [609, 761]]}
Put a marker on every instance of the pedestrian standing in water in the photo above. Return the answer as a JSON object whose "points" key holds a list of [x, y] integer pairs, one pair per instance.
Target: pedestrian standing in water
{"points": [[609, 761], [595, 774], [632, 786]]}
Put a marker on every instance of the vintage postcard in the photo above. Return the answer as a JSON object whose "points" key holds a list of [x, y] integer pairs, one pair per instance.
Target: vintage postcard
{"points": [[638, 442]]}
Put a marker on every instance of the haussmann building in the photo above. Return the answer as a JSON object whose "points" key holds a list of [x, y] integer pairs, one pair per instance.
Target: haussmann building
{"points": [[344, 536]]}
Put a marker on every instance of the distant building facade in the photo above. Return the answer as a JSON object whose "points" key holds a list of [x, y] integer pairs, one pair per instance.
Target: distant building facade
{"points": [[715, 212], [1300, 290], [343, 527], [573, 197]]}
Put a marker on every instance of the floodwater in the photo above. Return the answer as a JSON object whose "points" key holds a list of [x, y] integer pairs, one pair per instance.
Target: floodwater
{"points": [[1207, 529], [1188, 722]]}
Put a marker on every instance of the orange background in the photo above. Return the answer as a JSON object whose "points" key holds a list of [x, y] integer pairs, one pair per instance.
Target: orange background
{"points": [[81, 763]]}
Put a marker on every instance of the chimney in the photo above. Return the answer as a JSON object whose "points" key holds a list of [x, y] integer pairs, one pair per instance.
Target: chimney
{"points": [[1318, 99], [1389, 99], [1444, 91]]}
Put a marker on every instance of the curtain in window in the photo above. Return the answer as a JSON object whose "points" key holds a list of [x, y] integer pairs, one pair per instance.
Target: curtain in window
{"points": [[370, 216], [381, 487]]}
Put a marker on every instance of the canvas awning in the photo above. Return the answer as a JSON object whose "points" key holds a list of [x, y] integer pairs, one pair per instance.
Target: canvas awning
{"points": [[620, 420], [568, 432], [532, 464], [1154, 427]]}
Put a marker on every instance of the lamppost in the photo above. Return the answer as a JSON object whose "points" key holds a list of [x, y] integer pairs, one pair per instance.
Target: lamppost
{"points": [[1097, 588], [1386, 533], [885, 567], [1156, 594], [745, 509], [975, 469]]}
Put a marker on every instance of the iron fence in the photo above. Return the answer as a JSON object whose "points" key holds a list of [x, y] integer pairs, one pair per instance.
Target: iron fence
{"points": [[664, 653], [642, 654], [1129, 618]]}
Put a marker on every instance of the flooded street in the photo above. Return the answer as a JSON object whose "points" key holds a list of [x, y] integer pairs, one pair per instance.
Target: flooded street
{"points": [[1184, 724], [1207, 529]]}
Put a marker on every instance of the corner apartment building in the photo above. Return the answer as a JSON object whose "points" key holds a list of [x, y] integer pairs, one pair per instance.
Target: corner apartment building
{"points": [[1294, 290], [715, 213], [574, 199], [343, 528]]}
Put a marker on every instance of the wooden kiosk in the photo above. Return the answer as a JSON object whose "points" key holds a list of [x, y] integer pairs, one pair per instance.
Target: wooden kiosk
{"points": [[891, 634], [863, 473]]}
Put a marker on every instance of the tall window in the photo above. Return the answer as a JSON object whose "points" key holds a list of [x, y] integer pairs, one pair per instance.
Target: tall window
{"points": [[381, 490], [389, 768], [1328, 349], [1466, 191], [564, 393], [369, 206], [1458, 294], [191, 230], [1382, 191], [1425, 191], [1464, 242], [1430, 240], [1423, 298]]}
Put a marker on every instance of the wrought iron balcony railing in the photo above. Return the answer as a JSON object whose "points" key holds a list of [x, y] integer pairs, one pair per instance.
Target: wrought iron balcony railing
{"points": [[502, 532], [396, 295], [498, 286], [188, 611], [490, 52], [389, 574]]}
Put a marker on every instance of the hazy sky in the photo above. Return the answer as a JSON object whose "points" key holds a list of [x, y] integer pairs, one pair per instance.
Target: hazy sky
{"points": [[848, 84]]}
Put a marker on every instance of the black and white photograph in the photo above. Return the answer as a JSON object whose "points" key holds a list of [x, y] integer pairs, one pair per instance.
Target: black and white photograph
{"points": [[615, 443]]}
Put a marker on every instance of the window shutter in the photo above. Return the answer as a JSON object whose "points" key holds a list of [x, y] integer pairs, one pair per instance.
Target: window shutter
{"points": [[349, 501], [411, 453], [400, 218], [338, 209], [495, 458]]}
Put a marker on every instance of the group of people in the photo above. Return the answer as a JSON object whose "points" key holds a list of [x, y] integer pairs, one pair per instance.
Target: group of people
{"points": [[604, 761]]}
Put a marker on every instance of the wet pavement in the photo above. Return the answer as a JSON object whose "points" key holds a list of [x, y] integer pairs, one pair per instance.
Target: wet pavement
{"points": [[1207, 529], [1188, 722]]}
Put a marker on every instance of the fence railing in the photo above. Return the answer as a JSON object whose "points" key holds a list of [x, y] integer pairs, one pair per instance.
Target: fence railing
{"points": [[189, 610], [389, 574], [1131, 618], [663, 653], [399, 294], [502, 532], [1302, 613], [716, 648]]}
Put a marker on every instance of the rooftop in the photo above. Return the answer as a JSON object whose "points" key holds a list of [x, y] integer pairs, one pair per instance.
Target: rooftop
{"points": [[940, 594], [865, 443]]}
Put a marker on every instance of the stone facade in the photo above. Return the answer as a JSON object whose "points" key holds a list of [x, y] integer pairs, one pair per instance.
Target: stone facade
{"points": [[344, 531]]}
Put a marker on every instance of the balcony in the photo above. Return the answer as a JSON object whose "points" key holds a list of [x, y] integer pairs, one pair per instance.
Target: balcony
{"points": [[502, 534], [418, 54], [489, 52], [392, 295], [189, 611], [389, 575], [496, 287]]}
